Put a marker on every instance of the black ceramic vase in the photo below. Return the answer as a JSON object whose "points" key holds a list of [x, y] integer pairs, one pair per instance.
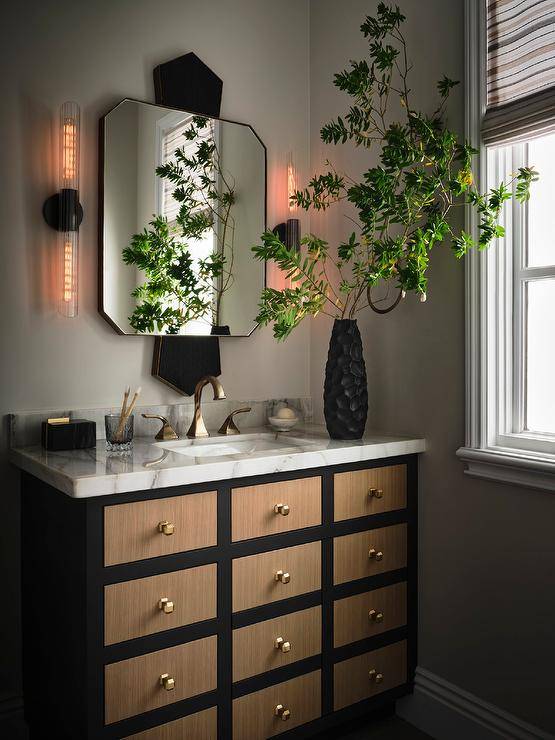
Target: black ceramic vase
{"points": [[345, 388]]}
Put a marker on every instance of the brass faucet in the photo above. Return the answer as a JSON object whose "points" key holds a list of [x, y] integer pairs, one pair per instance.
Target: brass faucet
{"points": [[198, 427]]}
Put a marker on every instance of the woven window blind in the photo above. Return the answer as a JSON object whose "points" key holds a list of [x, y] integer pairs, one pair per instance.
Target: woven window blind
{"points": [[520, 70]]}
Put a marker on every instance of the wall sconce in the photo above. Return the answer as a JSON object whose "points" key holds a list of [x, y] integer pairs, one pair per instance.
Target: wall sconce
{"points": [[289, 230], [63, 212]]}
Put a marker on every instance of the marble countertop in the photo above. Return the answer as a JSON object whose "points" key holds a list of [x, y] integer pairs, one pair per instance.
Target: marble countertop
{"points": [[96, 472]]}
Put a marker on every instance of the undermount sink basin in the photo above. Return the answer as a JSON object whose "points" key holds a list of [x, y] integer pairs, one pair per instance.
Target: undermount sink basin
{"points": [[224, 446]]}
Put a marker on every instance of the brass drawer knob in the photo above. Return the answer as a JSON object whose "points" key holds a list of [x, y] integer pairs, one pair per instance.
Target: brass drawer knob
{"points": [[166, 527], [282, 576], [374, 676], [283, 645], [374, 554], [282, 509], [375, 616], [167, 682], [281, 712], [166, 605], [375, 493]]}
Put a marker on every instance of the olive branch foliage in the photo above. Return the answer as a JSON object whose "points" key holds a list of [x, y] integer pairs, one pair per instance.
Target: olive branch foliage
{"points": [[402, 203], [179, 287]]}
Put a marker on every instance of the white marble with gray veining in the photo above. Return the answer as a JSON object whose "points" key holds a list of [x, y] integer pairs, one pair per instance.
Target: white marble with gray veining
{"points": [[150, 465]]}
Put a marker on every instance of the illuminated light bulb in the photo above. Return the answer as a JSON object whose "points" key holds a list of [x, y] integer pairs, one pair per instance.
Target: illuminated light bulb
{"points": [[68, 208]]}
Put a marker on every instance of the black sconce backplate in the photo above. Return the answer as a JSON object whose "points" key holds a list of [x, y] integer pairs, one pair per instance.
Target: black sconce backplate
{"points": [[62, 211]]}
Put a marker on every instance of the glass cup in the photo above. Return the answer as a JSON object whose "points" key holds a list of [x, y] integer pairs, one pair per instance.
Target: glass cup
{"points": [[118, 439]]}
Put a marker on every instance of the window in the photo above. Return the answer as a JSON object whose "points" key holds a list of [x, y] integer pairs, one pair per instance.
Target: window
{"points": [[524, 276], [511, 287], [171, 136]]}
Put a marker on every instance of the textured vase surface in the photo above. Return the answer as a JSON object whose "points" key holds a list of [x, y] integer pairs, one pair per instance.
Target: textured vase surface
{"points": [[345, 386]]}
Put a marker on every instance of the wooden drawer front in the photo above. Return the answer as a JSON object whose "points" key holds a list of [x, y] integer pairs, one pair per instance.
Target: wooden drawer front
{"points": [[352, 680], [254, 715], [254, 576], [199, 726], [133, 686], [255, 650], [253, 513], [351, 558], [133, 609], [365, 615], [131, 530], [365, 492]]}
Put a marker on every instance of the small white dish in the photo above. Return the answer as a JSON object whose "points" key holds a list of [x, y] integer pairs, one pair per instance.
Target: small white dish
{"points": [[282, 425]]}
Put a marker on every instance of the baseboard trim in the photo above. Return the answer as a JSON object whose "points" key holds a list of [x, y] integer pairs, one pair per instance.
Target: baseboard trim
{"points": [[11, 705], [447, 712]]}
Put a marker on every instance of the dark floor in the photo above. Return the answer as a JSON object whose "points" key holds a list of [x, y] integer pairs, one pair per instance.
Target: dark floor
{"points": [[391, 728]]}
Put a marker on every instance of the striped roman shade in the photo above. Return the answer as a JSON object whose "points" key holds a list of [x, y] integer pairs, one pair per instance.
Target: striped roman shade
{"points": [[520, 69]]}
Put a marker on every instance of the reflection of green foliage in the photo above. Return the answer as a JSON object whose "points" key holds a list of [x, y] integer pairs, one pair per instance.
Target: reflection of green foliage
{"points": [[179, 288], [171, 278], [402, 204]]}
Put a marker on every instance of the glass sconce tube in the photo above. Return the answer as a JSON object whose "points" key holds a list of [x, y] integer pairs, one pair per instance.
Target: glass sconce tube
{"points": [[68, 204], [292, 184]]}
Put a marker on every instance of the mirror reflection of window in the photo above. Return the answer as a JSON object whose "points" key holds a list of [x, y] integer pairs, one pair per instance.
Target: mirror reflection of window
{"points": [[171, 136]]}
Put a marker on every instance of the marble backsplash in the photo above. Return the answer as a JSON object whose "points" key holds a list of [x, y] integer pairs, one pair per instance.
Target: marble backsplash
{"points": [[25, 428]]}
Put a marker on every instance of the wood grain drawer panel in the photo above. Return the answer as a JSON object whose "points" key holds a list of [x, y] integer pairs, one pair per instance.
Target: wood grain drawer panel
{"points": [[254, 576], [351, 497], [352, 682], [198, 726], [351, 615], [131, 609], [254, 649], [131, 530], [253, 714], [252, 508], [351, 553], [133, 686]]}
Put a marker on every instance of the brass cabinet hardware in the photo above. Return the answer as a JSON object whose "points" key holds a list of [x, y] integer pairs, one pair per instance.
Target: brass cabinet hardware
{"points": [[281, 644], [375, 616], [375, 493], [374, 554], [282, 576], [229, 426], [166, 527], [166, 605], [198, 427], [282, 509], [281, 712], [373, 675], [166, 432], [167, 682]]}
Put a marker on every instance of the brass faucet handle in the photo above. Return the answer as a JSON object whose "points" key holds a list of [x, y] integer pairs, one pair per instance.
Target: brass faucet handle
{"points": [[166, 432], [229, 426]]}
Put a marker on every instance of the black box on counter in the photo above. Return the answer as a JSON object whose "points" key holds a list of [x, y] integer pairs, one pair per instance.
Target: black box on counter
{"points": [[70, 434]]}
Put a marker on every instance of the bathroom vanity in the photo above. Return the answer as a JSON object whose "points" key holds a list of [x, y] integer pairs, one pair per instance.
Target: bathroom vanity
{"points": [[194, 592]]}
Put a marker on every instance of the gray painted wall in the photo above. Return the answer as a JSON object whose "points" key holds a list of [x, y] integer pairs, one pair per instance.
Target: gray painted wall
{"points": [[487, 551], [98, 53]]}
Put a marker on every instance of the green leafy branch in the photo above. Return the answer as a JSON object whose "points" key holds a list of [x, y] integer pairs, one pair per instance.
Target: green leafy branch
{"points": [[402, 203]]}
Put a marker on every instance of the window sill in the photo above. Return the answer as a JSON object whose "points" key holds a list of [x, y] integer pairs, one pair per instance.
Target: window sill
{"points": [[510, 466]]}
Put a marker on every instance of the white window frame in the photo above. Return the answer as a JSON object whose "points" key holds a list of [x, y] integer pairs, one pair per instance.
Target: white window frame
{"points": [[494, 449]]}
